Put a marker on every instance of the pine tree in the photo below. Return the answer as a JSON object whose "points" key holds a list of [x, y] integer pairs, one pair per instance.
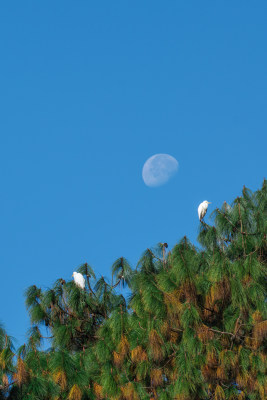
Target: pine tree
{"points": [[194, 325], [6, 362]]}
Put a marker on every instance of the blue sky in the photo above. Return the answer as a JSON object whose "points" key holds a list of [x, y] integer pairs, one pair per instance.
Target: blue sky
{"points": [[89, 91]]}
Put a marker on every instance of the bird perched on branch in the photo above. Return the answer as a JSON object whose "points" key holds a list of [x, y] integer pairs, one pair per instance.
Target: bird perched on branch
{"points": [[79, 279], [202, 209]]}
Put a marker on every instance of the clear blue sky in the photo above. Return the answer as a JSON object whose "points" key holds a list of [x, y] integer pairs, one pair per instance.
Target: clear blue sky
{"points": [[90, 90]]}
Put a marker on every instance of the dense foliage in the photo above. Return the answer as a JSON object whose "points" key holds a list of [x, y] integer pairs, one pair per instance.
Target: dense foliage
{"points": [[194, 325]]}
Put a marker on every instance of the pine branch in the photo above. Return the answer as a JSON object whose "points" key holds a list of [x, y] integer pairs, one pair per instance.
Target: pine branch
{"points": [[89, 286], [243, 244], [235, 228]]}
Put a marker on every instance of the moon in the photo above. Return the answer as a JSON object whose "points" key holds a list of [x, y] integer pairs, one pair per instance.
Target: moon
{"points": [[159, 169]]}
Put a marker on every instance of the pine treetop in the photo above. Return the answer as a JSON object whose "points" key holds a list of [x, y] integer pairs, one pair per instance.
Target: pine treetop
{"points": [[194, 325]]}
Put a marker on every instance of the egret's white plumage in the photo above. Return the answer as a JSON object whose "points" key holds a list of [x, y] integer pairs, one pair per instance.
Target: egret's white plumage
{"points": [[202, 209], [79, 279]]}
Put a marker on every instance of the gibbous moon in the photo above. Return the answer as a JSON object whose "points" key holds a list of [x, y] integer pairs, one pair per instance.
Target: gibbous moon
{"points": [[159, 169]]}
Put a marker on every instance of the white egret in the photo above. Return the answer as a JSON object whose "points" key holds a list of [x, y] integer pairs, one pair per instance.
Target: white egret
{"points": [[79, 279], [202, 209]]}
